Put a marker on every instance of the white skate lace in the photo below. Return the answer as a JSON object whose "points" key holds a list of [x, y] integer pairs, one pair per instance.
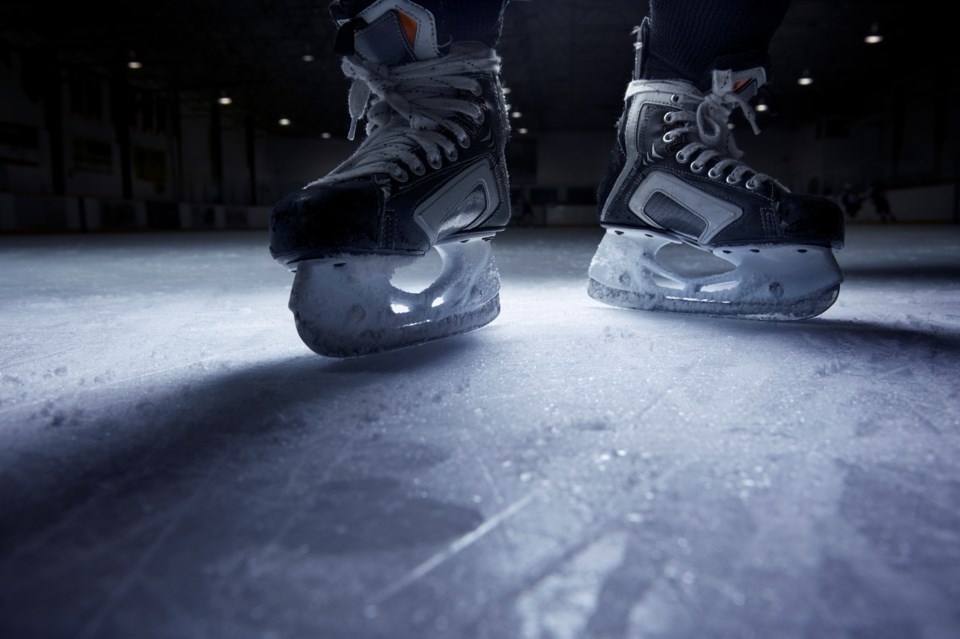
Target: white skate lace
{"points": [[714, 140], [410, 107]]}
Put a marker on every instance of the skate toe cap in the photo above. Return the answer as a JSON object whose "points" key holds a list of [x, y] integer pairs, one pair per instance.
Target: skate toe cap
{"points": [[326, 218], [812, 219]]}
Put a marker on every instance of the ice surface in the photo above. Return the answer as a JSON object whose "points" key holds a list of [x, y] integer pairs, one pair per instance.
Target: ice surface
{"points": [[174, 462]]}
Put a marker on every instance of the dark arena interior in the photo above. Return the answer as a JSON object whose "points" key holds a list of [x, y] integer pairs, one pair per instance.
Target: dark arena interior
{"points": [[175, 462]]}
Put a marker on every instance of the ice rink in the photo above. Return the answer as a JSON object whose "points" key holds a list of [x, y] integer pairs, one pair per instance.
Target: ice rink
{"points": [[175, 463]]}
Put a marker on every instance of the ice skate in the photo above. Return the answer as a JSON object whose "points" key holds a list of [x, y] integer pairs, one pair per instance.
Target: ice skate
{"points": [[430, 175], [691, 228]]}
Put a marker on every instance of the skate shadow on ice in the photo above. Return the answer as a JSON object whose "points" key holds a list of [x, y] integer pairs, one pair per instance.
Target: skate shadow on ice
{"points": [[304, 452], [409, 359], [912, 344], [934, 274]]}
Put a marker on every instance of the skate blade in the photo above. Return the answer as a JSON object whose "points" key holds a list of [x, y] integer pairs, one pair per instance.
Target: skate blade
{"points": [[348, 306], [639, 269]]}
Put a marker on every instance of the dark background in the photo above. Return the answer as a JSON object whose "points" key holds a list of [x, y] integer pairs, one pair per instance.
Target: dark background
{"points": [[874, 112]]}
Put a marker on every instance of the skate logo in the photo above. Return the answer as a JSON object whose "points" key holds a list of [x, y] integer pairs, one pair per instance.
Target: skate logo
{"points": [[666, 201], [653, 154], [396, 27]]}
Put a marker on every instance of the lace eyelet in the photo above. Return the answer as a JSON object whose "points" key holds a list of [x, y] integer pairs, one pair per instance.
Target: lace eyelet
{"points": [[419, 170], [401, 177], [730, 180], [751, 185], [674, 98], [667, 117], [696, 168], [681, 158], [669, 137], [452, 156], [465, 142], [713, 174], [435, 162]]}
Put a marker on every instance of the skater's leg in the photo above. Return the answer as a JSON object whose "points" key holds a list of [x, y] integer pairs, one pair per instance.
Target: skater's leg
{"points": [[676, 184], [430, 175], [690, 38]]}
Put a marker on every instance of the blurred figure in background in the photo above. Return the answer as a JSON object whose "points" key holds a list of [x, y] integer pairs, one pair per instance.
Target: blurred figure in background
{"points": [[881, 204], [850, 201]]}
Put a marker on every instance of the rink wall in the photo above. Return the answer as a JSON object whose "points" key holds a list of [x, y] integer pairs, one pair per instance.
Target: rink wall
{"points": [[921, 204], [179, 162], [554, 179], [52, 213]]}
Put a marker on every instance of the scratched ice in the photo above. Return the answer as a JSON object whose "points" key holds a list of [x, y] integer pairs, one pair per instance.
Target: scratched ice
{"points": [[174, 462]]}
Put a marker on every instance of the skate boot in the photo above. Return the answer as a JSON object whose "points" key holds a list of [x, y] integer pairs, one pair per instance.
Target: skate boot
{"points": [[430, 175], [691, 228]]}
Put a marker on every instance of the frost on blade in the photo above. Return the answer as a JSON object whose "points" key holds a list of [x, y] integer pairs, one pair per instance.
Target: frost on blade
{"points": [[349, 306], [651, 271]]}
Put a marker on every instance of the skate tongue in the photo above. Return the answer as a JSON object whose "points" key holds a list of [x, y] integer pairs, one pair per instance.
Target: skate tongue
{"points": [[731, 90], [390, 32]]}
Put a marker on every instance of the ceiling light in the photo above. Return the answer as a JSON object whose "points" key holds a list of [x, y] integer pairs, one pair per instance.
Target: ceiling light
{"points": [[762, 106], [874, 36], [507, 90], [523, 130], [133, 63], [731, 126], [805, 78], [225, 100], [308, 57], [325, 135], [516, 115], [284, 121]]}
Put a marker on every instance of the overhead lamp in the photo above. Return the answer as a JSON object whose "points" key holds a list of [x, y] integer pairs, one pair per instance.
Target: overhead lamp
{"points": [[805, 78], [523, 130], [761, 107], [507, 90], [516, 115], [284, 121], [224, 99], [874, 36], [308, 57], [326, 135], [133, 62]]}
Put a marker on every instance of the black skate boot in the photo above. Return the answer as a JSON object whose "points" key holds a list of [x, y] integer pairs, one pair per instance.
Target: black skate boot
{"points": [[690, 228], [431, 174]]}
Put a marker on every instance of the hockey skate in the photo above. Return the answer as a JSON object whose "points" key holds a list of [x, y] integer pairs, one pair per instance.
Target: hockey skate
{"points": [[430, 175], [690, 228]]}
